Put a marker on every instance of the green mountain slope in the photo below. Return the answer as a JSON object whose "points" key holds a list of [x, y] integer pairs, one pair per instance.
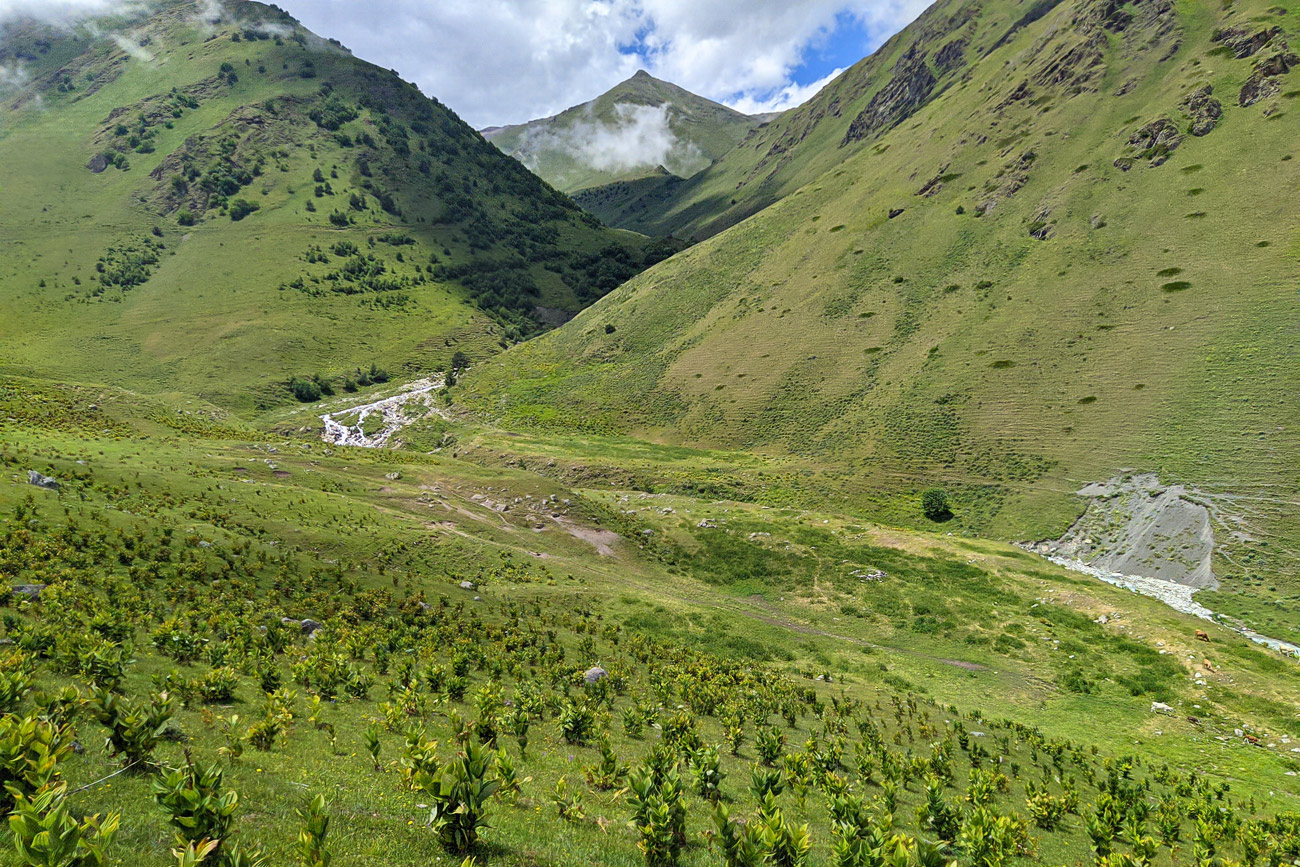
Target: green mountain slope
{"points": [[215, 204], [1075, 256], [640, 128]]}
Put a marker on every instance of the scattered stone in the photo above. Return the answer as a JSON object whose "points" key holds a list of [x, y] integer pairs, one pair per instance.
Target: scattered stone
{"points": [[467, 585], [308, 626], [594, 674], [31, 591], [1097, 221], [97, 163], [393, 476], [894, 212], [1160, 707], [42, 481]]}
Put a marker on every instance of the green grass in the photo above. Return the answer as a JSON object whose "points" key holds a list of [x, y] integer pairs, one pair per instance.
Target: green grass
{"points": [[230, 310], [265, 526], [1049, 365]]}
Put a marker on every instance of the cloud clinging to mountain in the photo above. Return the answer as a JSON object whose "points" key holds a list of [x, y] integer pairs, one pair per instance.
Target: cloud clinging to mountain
{"points": [[507, 61]]}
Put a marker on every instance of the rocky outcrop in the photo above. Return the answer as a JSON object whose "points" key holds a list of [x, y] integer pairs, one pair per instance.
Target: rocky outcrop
{"points": [[909, 88], [950, 56], [1204, 109], [1039, 227], [1135, 525], [1242, 42], [1263, 81], [1153, 142]]}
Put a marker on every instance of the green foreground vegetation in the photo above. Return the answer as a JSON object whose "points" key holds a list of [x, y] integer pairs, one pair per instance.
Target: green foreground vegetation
{"points": [[903, 697], [705, 576]]}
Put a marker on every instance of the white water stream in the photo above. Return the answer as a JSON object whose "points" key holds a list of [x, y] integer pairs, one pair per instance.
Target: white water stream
{"points": [[347, 427], [1177, 596]]}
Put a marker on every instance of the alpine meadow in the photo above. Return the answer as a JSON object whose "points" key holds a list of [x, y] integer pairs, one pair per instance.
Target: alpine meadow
{"points": [[906, 478]]}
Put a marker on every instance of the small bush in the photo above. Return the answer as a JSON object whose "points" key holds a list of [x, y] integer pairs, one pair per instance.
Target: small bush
{"points": [[935, 504]]}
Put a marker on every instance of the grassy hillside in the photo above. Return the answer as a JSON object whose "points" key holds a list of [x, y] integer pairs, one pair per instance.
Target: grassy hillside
{"points": [[638, 129], [213, 204], [950, 687], [1070, 259]]}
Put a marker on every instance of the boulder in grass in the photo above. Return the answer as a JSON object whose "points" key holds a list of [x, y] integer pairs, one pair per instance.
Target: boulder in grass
{"points": [[594, 674], [42, 481]]}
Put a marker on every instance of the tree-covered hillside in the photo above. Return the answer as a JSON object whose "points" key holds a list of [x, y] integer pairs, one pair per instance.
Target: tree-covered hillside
{"points": [[211, 199]]}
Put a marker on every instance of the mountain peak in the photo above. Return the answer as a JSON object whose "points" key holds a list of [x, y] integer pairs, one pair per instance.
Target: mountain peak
{"points": [[646, 122]]}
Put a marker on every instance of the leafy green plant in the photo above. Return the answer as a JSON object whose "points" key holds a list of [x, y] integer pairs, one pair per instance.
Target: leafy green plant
{"points": [[707, 764], [576, 722], [770, 744], [315, 819], [373, 745], [737, 841], [31, 750], [990, 840], [658, 812], [46, 834], [197, 806], [609, 772], [133, 731], [936, 815], [935, 504], [460, 790], [568, 802], [783, 843]]}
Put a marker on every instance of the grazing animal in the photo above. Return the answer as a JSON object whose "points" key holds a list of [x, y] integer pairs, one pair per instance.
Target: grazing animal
{"points": [[1207, 665], [1202, 635]]}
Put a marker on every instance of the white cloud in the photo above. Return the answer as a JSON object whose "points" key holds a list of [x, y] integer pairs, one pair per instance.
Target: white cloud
{"points": [[61, 11], [639, 136], [131, 47], [508, 61], [790, 96]]}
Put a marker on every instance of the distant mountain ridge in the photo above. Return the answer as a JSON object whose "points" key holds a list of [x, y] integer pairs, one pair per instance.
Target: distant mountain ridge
{"points": [[628, 133]]}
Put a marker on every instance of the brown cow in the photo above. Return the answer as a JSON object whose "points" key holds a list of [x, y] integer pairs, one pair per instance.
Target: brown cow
{"points": [[1202, 635]]}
